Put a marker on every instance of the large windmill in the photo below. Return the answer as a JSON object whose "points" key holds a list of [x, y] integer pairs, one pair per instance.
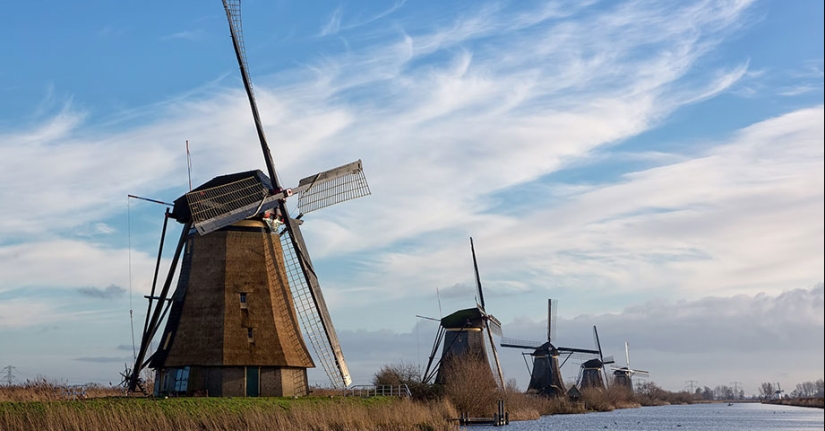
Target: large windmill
{"points": [[466, 335], [622, 376], [247, 287], [545, 376], [590, 373]]}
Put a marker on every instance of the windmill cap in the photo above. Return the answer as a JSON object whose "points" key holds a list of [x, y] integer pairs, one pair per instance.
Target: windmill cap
{"points": [[460, 318]]}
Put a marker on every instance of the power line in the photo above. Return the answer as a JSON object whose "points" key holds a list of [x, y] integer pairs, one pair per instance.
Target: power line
{"points": [[691, 384], [736, 388], [131, 308], [9, 377]]}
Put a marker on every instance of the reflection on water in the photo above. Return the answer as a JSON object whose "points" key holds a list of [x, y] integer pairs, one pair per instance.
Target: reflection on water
{"points": [[701, 417]]}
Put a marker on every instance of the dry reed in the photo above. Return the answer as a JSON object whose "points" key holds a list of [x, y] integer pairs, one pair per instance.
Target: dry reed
{"points": [[42, 389], [259, 414]]}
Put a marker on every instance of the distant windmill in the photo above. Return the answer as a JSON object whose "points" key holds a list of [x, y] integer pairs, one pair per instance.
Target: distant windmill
{"points": [[590, 373], [247, 287], [622, 376], [466, 334], [545, 376]]}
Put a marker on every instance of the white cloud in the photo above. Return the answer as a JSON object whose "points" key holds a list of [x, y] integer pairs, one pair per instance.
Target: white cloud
{"points": [[72, 264], [744, 215]]}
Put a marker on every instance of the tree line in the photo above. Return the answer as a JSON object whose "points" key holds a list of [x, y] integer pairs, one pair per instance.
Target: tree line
{"points": [[767, 390], [814, 389]]}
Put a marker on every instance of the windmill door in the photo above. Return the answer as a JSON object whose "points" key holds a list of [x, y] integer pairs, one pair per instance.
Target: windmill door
{"points": [[252, 381]]}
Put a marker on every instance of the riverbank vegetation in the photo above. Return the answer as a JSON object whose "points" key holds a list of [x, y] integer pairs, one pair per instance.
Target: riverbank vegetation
{"points": [[46, 405], [806, 394], [173, 414]]}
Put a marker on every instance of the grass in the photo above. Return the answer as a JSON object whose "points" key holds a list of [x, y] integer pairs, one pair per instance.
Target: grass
{"points": [[43, 405], [302, 414]]}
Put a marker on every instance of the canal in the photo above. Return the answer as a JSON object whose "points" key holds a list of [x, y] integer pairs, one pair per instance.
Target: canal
{"points": [[694, 417]]}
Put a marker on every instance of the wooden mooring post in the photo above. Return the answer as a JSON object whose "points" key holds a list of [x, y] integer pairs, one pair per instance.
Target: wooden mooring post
{"points": [[500, 418]]}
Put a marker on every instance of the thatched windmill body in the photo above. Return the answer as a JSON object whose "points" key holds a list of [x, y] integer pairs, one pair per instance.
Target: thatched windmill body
{"points": [[591, 371], [545, 374], [623, 376], [247, 288], [466, 335]]}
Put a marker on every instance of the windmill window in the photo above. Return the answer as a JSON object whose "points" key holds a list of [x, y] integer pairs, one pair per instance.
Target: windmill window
{"points": [[181, 380], [249, 336], [243, 300]]}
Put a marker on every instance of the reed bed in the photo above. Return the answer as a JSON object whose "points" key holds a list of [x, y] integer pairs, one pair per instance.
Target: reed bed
{"points": [[252, 414], [605, 400], [818, 402], [42, 389]]}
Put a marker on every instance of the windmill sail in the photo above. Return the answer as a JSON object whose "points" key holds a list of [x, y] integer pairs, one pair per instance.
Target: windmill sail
{"points": [[217, 207], [331, 187], [552, 306], [233, 15], [487, 318], [312, 309], [302, 277], [478, 278]]}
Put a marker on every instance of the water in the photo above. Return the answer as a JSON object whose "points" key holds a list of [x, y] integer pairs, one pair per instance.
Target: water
{"points": [[695, 417]]}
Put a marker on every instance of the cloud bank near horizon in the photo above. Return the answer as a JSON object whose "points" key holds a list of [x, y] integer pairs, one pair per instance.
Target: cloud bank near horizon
{"points": [[676, 340]]}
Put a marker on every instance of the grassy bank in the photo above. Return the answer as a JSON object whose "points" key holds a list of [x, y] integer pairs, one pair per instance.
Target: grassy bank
{"points": [[303, 414]]}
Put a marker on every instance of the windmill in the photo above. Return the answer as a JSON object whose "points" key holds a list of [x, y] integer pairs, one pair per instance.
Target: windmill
{"points": [[622, 375], [590, 373], [247, 289], [466, 335], [545, 376]]}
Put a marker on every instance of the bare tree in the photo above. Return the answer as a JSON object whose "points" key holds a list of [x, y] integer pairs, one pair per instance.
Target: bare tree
{"points": [[807, 390], [707, 394], [723, 392], [766, 390]]}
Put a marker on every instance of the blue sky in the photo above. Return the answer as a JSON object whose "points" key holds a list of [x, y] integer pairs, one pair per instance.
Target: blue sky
{"points": [[655, 166]]}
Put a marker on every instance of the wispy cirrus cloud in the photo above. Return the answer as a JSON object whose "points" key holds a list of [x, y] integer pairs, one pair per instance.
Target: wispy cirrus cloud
{"points": [[22, 312], [333, 23], [452, 121], [110, 292], [190, 35]]}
